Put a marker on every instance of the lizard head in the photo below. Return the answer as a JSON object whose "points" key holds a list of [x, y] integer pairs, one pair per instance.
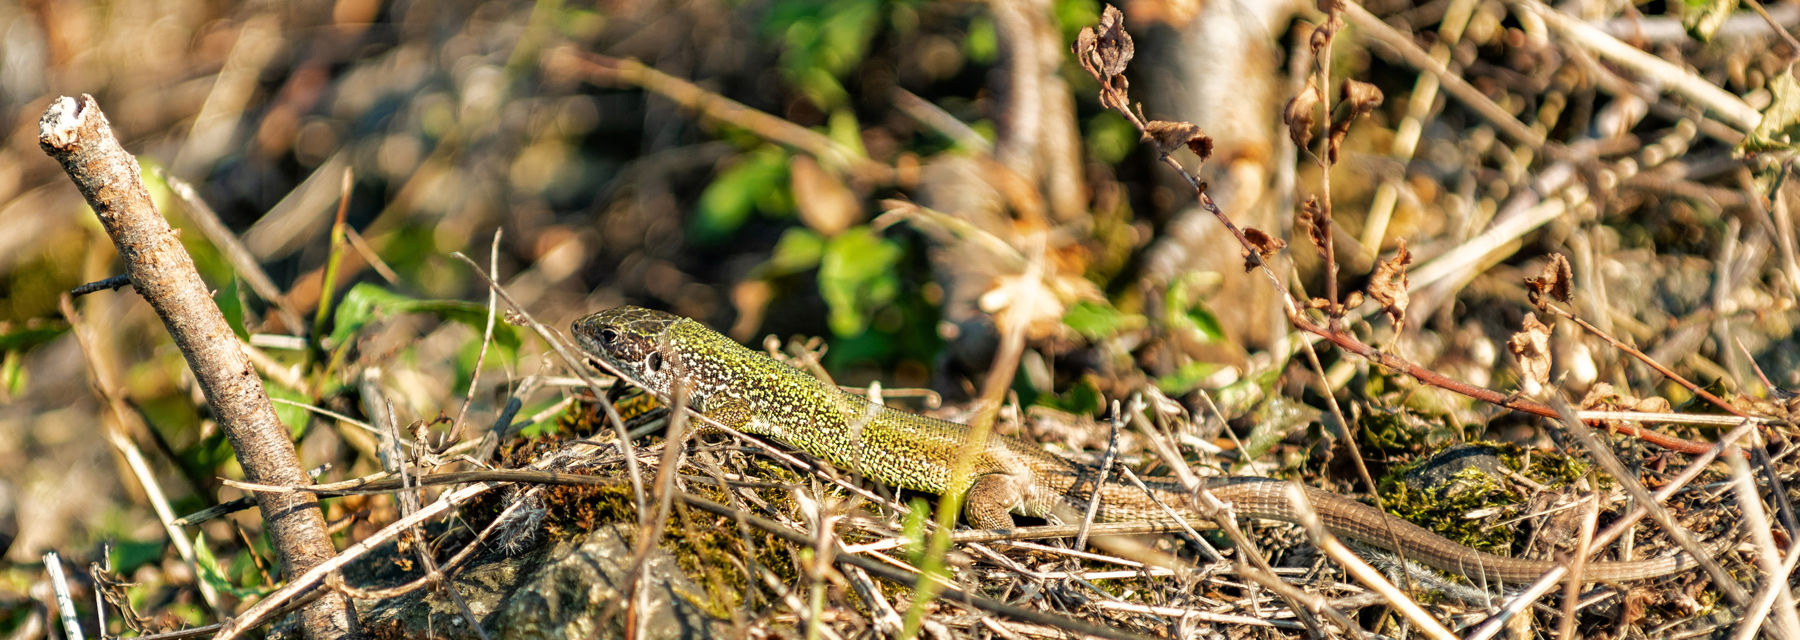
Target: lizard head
{"points": [[632, 340]]}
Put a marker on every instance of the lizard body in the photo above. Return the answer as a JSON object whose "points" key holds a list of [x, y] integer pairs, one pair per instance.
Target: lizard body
{"points": [[760, 395]]}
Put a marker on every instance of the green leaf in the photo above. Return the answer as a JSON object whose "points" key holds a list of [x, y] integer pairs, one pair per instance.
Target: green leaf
{"points": [[823, 42], [14, 338], [1187, 377], [798, 249], [231, 303], [843, 129], [1702, 18], [215, 575], [367, 302], [856, 275], [1779, 129], [127, 555], [1278, 418], [758, 181], [1084, 398], [1185, 310], [295, 418], [1238, 397], [1098, 321]]}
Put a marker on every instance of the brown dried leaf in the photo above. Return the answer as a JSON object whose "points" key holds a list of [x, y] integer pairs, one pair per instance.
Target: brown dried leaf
{"points": [[1600, 396], [1557, 279], [1319, 39], [1264, 244], [1355, 100], [1388, 285], [1170, 136], [1532, 346], [1299, 114], [1317, 222], [1105, 48], [1361, 96]]}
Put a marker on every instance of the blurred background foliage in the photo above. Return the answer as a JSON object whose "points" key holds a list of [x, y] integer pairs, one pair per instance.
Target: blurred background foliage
{"points": [[903, 244]]}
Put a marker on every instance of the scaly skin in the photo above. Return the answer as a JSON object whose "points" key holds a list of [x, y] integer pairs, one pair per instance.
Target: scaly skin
{"points": [[756, 394]]}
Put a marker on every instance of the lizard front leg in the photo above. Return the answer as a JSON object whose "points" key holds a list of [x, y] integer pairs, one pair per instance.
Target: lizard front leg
{"points": [[991, 499]]}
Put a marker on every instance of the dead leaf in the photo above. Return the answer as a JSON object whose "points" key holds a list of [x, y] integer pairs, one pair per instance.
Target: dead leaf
{"points": [[1557, 279], [1388, 285], [1355, 100], [1264, 244], [1599, 397], [1104, 50], [1362, 96], [825, 203], [1113, 47], [1532, 346], [1317, 221], [1170, 136], [1299, 114]]}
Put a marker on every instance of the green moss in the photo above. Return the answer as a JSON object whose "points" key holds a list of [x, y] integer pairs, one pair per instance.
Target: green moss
{"points": [[1445, 510]]}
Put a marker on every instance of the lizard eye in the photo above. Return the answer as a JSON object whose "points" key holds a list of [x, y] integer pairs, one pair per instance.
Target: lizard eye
{"points": [[607, 336], [655, 361]]}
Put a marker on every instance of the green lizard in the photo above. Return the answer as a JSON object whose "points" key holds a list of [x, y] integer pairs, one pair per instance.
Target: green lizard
{"points": [[759, 395]]}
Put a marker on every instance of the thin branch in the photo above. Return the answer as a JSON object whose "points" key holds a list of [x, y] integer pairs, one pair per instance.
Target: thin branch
{"points": [[114, 284]]}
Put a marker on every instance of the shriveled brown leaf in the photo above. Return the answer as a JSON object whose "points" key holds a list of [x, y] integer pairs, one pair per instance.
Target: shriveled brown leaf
{"points": [[1316, 219], [1603, 396], [1105, 48], [1319, 39], [1264, 244], [1355, 100], [1301, 113], [1361, 96], [1170, 136], [1653, 404], [1389, 283], [1557, 280], [1532, 347], [1600, 396]]}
